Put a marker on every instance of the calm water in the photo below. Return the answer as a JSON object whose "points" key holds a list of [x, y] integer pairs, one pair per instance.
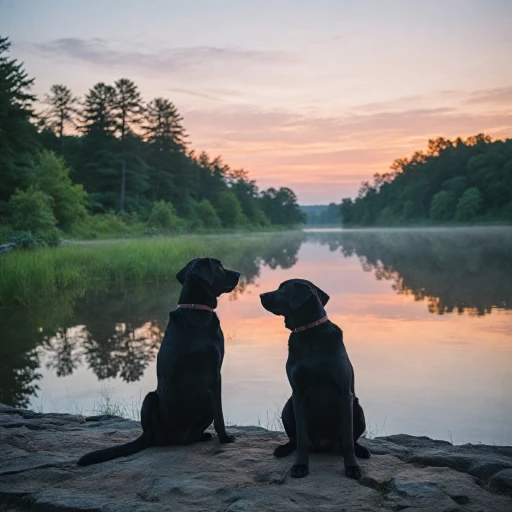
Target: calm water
{"points": [[426, 317]]}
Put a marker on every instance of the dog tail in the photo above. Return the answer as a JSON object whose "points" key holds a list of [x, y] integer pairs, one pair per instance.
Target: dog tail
{"points": [[114, 452]]}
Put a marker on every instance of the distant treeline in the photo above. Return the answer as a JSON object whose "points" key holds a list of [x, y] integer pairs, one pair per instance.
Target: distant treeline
{"points": [[459, 181], [99, 164], [322, 215]]}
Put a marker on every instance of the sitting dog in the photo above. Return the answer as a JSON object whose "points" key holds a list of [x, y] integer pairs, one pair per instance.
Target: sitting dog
{"points": [[323, 414], [188, 394]]}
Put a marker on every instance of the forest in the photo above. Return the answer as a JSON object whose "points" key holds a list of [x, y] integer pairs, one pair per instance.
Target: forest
{"points": [[110, 163], [452, 182]]}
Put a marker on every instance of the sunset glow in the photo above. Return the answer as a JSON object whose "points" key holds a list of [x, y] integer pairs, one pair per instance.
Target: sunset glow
{"points": [[314, 96]]}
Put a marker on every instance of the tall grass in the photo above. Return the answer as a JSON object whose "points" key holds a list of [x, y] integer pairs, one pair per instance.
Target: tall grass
{"points": [[42, 275], [31, 276]]}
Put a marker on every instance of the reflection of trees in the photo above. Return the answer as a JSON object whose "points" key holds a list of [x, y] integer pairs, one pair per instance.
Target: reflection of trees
{"points": [[454, 270], [283, 250], [275, 250], [114, 332], [18, 377]]}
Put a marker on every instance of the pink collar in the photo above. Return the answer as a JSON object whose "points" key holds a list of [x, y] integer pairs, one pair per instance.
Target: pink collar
{"points": [[196, 306], [311, 325]]}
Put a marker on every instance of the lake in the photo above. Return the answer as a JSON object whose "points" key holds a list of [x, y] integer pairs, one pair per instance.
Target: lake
{"points": [[426, 316]]}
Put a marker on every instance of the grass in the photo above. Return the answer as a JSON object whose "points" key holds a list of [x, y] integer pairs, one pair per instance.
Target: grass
{"points": [[36, 276], [108, 405], [373, 431]]}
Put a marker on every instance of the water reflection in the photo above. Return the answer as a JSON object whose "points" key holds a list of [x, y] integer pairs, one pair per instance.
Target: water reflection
{"points": [[453, 269], [114, 333]]}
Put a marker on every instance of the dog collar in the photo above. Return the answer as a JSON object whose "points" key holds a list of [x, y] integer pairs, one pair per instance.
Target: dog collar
{"points": [[197, 306], [311, 325]]}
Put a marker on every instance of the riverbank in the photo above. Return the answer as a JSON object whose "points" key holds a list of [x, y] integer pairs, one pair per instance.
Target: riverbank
{"points": [[39, 472], [35, 276]]}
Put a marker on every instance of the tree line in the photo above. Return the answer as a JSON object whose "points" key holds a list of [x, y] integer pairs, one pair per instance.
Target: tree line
{"points": [[453, 181], [110, 160]]}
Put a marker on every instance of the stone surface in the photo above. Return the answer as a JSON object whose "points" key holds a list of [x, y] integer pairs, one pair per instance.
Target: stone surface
{"points": [[38, 471]]}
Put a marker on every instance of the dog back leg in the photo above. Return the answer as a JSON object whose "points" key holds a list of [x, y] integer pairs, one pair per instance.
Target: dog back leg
{"points": [[288, 417]]}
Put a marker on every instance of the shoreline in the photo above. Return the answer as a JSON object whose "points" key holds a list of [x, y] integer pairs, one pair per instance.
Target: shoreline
{"points": [[40, 451]]}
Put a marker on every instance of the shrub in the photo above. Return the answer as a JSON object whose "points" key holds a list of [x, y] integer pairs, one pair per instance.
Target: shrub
{"points": [[229, 209], [50, 174], [442, 206], [468, 205], [163, 216], [31, 211], [207, 215]]}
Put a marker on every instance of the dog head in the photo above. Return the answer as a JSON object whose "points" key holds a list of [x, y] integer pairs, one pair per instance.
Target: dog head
{"points": [[298, 300], [210, 275]]}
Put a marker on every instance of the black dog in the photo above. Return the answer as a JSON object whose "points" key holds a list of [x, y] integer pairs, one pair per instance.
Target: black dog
{"points": [[188, 394], [323, 414]]}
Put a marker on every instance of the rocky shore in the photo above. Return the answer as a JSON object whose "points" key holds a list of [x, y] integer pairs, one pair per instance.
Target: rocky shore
{"points": [[38, 472]]}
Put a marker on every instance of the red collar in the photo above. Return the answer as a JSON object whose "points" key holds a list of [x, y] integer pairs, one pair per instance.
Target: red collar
{"points": [[311, 325], [196, 306]]}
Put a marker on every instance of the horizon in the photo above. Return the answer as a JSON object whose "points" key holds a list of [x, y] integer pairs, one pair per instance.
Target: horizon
{"points": [[257, 85]]}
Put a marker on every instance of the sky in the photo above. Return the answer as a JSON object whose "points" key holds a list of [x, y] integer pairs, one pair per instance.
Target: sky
{"points": [[313, 95]]}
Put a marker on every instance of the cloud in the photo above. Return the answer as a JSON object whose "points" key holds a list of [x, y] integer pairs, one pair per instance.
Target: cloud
{"points": [[268, 129], [102, 53], [500, 96], [193, 93], [317, 155]]}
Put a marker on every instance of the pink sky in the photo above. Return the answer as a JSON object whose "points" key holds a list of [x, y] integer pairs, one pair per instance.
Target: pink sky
{"points": [[316, 96]]}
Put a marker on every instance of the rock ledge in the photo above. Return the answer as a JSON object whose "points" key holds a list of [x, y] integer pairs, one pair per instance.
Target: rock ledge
{"points": [[38, 472]]}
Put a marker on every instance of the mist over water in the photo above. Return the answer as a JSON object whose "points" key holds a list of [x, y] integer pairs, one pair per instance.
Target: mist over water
{"points": [[426, 316]]}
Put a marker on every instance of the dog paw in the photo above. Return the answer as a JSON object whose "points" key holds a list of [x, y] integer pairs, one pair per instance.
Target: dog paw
{"points": [[362, 452], [299, 470], [226, 438], [284, 449], [353, 472], [206, 436]]}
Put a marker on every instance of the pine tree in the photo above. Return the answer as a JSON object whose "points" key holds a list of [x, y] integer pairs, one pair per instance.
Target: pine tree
{"points": [[17, 134], [62, 109], [128, 111], [99, 162], [166, 137], [98, 116]]}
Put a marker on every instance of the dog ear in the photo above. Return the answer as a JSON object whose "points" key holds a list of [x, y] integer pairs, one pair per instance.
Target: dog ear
{"points": [[324, 298], [205, 270], [182, 274], [301, 293]]}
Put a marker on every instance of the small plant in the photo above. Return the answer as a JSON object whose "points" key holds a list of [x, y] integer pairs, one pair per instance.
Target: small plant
{"points": [[373, 431], [108, 405]]}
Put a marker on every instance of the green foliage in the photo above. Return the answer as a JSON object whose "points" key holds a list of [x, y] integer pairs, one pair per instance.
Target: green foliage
{"points": [[17, 134], [280, 207], [442, 206], [207, 215], [163, 216], [38, 276], [31, 210], [50, 174], [453, 181], [126, 157], [468, 205], [106, 225], [229, 209]]}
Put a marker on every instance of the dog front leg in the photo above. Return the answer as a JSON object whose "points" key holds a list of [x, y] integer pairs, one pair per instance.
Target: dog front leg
{"points": [[218, 419], [301, 466], [352, 470]]}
